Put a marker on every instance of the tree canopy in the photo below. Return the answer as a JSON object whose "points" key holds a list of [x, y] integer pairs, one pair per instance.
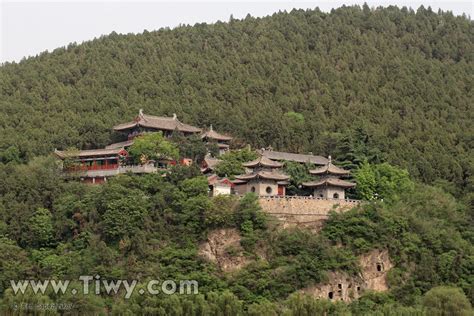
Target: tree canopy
{"points": [[385, 84]]}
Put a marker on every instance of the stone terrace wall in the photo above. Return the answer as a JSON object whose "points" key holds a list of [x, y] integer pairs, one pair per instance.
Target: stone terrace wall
{"points": [[303, 210]]}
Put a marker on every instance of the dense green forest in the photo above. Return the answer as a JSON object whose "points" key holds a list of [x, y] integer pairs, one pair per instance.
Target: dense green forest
{"points": [[392, 84], [387, 92]]}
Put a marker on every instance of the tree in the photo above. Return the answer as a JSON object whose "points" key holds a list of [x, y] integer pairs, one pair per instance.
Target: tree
{"points": [[152, 146], [11, 154], [231, 163], [382, 181], [298, 173], [191, 147], [124, 215], [41, 228], [445, 300]]}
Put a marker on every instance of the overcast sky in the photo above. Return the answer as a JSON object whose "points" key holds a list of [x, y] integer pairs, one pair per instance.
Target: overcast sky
{"points": [[30, 27]]}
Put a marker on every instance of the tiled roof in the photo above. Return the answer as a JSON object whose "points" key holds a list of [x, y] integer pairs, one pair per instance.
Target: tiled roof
{"points": [[87, 153], [210, 163], [302, 158], [158, 122], [329, 168], [263, 161], [329, 181], [214, 179], [126, 143], [263, 175], [215, 135]]}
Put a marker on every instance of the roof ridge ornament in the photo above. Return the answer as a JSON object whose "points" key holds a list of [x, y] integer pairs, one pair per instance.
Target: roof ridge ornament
{"points": [[210, 128], [141, 116], [175, 116], [329, 159]]}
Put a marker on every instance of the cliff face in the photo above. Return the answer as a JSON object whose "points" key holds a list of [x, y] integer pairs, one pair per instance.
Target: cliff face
{"points": [[342, 286], [223, 248]]}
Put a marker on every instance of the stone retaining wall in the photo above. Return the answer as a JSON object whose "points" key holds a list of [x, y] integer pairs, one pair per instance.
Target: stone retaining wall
{"points": [[303, 209]]}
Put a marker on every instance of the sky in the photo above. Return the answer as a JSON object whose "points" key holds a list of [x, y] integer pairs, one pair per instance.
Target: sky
{"points": [[30, 27]]}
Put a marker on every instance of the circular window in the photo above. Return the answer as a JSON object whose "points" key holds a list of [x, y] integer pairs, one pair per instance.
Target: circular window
{"points": [[336, 196], [252, 189], [268, 190]]}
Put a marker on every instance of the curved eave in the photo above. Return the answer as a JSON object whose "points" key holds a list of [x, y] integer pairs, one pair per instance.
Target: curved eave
{"points": [[125, 126], [262, 175], [339, 183], [264, 162]]}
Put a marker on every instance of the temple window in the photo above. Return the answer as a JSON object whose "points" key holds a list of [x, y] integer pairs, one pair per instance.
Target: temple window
{"points": [[252, 189], [335, 195], [268, 190]]}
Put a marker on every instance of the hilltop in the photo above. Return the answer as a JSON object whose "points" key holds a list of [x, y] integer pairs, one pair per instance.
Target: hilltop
{"points": [[384, 85]]}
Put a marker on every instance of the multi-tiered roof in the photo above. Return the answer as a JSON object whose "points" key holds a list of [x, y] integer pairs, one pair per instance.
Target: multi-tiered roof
{"points": [[329, 175], [263, 168]]}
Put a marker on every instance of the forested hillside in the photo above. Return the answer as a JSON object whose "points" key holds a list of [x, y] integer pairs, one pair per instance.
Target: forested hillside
{"points": [[380, 90], [387, 84]]}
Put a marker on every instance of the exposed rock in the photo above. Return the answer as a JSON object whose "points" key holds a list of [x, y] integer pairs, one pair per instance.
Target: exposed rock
{"points": [[374, 266], [223, 248], [341, 286]]}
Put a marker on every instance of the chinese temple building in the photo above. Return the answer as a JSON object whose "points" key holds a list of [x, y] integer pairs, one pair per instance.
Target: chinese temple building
{"points": [[92, 166], [221, 139], [149, 123], [209, 164], [219, 186], [329, 185], [263, 178]]}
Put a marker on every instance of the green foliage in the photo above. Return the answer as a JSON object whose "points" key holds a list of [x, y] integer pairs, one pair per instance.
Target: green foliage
{"points": [[191, 147], [231, 163], [11, 154], [14, 263], [221, 213], [298, 173], [445, 300], [152, 146], [41, 228], [382, 181], [373, 88], [304, 305], [125, 214], [250, 219], [389, 84], [422, 232]]}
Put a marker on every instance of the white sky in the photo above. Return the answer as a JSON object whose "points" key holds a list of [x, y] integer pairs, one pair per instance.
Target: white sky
{"points": [[30, 27]]}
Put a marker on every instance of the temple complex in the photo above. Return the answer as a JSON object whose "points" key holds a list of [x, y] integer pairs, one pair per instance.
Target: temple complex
{"points": [[329, 185], [263, 178]]}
